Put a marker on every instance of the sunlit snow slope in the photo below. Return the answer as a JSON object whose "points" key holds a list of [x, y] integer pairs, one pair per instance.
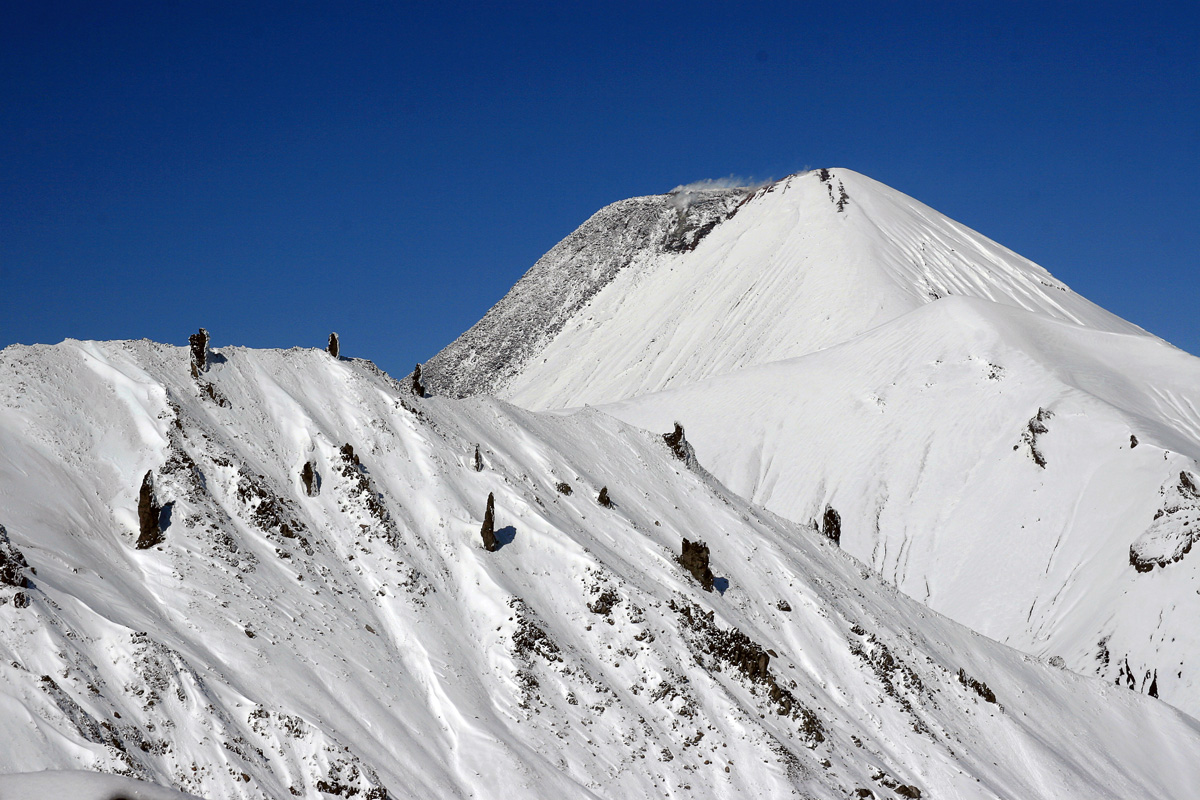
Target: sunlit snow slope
{"points": [[1034, 479], [967, 416], [356, 640], [622, 307], [82, 785]]}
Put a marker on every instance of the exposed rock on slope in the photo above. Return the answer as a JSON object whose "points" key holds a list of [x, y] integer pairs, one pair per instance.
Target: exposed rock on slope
{"points": [[149, 514], [1175, 528], [694, 559]]}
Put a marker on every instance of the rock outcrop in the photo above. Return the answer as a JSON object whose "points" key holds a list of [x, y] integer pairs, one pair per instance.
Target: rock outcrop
{"points": [[831, 525], [12, 563], [149, 515], [417, 388], [1174, 529], [694, 559], [488, 531], [198, 348], [676, 442], [310, 479]]}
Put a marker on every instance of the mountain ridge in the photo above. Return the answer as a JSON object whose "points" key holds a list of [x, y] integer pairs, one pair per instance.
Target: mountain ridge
{"points": [[360, 641]]}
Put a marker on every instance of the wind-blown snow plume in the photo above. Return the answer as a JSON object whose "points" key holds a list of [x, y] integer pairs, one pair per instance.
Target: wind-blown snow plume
{"points": [[681, 197]]}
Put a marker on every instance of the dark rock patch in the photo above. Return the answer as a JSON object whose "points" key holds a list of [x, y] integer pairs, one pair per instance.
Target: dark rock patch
{"points": [[12, 563], [149, 515], [695, 218], [1034, 428], [267, 511], [488, 531], [831, 525], [1146, 565], [603, 498], [334, 347], [694, 559], [311, 479], [1125, 675], [843, 198], [902, 789], [979, 687], [898, 679], [84, 723], [350, 778], [530, 644], [735, 649], [213, 394], [361, 486], [605, 603], [676, 441], [418, 389], [198, 349], [564, 488], [1187, 486]]}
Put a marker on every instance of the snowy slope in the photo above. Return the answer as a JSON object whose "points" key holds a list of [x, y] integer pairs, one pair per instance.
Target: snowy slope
{"points": [[881, 359], [781, 273], [361, 642], [82, 785], [629, 235], [926, 435]]}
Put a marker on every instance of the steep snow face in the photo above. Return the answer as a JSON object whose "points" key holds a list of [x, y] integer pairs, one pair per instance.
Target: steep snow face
{"points": [[321, 618], [1035, 479], [781, 273], [626, 235]]}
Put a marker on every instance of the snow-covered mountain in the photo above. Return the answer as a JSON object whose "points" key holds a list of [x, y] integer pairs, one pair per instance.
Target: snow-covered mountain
{"points": [[994, 444], [662, 291], [266, 577], [1034, 479]]}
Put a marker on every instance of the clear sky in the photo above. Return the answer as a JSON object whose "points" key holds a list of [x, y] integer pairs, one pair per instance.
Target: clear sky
{"points": [[388, 170]]}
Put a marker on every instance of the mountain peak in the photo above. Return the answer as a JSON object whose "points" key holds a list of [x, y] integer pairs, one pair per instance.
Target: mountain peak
{"points": [[656, 291]]}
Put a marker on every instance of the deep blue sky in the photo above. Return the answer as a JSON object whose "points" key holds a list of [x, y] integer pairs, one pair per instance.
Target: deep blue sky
{"points": [[388, 171]]}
